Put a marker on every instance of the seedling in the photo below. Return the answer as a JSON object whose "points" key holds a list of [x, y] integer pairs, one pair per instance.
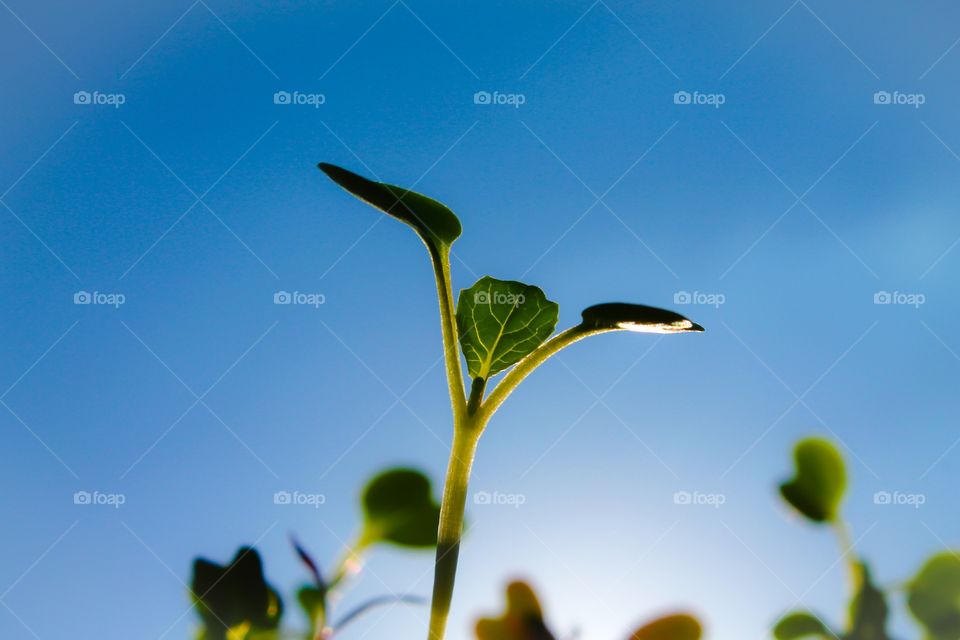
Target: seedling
{"points": [[501, 326], [235, 602], [523, 620], [816, 492]]}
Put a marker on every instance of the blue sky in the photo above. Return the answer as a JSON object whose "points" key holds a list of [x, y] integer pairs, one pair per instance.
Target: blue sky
{"points": [[783, 212]]}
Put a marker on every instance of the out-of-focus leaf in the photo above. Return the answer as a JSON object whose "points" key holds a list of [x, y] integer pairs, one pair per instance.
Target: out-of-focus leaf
{"points": [[801, 625], [636, 317], [399, 508], [235, 597], [433, 221], [522, 620], [676, 627], [311, 600], [934, 596], [500, 322], [868, 610], [820, 480]]}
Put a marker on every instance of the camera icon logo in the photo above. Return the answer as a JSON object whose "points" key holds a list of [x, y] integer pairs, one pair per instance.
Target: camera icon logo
{"points": [[682, 97], [682, 297], [282, 297], [882, 297], [682, 497], [281, 97], [482, 97], [482, 497], [882, 497], [481, 297], [282, 497], [81, 97], [82, 297], [882, 97], [82, 497]]}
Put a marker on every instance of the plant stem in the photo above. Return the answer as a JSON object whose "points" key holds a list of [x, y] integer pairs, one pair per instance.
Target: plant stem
{"points": [[440, 258], [526, 366], [465, 438]]}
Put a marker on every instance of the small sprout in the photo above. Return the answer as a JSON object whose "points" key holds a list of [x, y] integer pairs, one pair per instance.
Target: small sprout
{"points": [[501, 322], [313, 602], [399, 508], [522, 620], [819, 483], [868, 610], [798, 625], [235, 598], [500, 325], [933, 596], [675, 627], [635, 317]]}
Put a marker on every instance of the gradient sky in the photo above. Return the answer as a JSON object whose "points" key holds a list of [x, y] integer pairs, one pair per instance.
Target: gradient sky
{"points": [[794, 203]]}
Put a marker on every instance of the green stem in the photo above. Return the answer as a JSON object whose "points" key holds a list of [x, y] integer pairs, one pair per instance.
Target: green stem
{"points": [[526, 366], [440, 257], [465, 438]]}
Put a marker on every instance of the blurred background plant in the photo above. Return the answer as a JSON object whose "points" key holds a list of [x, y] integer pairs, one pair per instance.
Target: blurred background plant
{"points": [[235, 601], [816, 492]]}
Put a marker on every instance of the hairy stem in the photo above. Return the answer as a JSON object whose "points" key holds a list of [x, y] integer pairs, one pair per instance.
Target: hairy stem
{"points": [[465, 438], [440, 257]]}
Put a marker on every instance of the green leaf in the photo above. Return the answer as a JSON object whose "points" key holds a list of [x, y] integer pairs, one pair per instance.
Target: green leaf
{"points": [[801, 625], [820, 480], [500, 322], [311, 600], [432, 220], [868, 610], [636, 317], [235, 596], [933, 596], [522, 620], [675, 627], [399, 508]]}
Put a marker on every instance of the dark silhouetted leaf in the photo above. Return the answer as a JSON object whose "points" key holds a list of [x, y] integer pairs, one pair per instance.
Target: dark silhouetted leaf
{"points": [[399, 508], [676, 627], [500, 322], [522, 620], [820, 480], [868, 611], [636, 317], [234, 596], [436, 224], [934, 596], [801, 625]]}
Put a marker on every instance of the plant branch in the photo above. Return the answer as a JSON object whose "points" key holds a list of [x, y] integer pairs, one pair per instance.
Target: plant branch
{"points": [[526, 366]]}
